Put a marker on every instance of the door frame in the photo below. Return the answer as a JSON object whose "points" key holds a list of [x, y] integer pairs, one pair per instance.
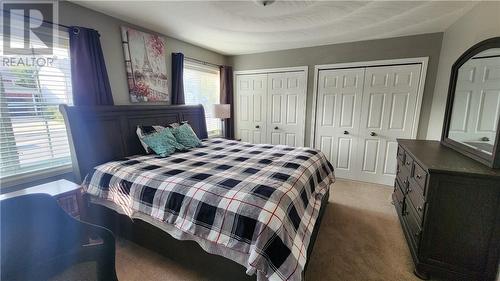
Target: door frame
{"points": [[424, 61], [273, 70], [304, 69]]}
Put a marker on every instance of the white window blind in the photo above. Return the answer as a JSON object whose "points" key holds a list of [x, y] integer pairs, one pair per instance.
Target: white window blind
{"points": [[33, 136], [202, 86]]}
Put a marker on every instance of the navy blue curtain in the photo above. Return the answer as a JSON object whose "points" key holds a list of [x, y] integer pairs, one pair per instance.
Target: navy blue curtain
{"points": [[177, 78], [89, 76], [226, 97]]}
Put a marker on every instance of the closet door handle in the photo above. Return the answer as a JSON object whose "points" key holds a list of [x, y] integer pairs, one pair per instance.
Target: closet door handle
{"points": [[372, 134], [276, 128], [257, 127], [346, 132]]}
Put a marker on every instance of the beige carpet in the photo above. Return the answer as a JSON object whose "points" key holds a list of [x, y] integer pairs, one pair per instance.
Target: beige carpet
{"points": [[360, 239]]}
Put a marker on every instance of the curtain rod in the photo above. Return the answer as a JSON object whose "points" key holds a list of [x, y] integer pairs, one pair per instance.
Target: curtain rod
{"points": [[201, 62], [45, 21], [58, 24]]}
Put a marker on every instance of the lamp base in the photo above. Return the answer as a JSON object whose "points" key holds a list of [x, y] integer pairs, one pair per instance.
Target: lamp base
{"points": [[223, 127]]}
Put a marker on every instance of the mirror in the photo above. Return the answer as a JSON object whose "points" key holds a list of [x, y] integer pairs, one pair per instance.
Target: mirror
{"points": [[474, 117], [473, 109]]}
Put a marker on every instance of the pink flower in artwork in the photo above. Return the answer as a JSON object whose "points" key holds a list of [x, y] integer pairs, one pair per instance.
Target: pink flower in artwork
{"points": [[157, 45], [141, 89]]}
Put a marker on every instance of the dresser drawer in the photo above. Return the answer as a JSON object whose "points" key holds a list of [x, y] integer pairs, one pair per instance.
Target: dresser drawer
{"points": [[402, 174], [417, 199], [412, 223], [420, 176], [398, 197], [401, 154], [408, 162]]}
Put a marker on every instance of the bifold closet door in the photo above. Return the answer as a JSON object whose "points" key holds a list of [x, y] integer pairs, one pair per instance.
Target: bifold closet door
{"points": [[359, 114], [387, 113], [251, 108], [286, 101], [337, 117]]}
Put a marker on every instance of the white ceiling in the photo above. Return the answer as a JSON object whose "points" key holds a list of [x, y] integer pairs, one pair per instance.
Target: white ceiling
{"points": [[242, 27]]}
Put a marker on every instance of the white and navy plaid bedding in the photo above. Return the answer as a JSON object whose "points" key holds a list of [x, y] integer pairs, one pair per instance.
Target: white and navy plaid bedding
{"points": [[261, 201]]}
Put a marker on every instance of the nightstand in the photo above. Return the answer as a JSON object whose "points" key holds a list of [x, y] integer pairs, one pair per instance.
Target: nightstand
{"points": [[67, 194]]}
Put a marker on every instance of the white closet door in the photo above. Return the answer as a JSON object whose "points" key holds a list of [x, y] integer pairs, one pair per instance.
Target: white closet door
{"points": [[251, 108], [337, 117], [286, 99], [388, 109]]}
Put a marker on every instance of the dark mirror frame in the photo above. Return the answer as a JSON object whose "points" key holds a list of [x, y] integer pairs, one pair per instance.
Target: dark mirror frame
{"points": [[492, 160]]}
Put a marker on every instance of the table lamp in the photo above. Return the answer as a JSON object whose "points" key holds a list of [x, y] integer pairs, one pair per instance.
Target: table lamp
{"points": [[222, 111]]}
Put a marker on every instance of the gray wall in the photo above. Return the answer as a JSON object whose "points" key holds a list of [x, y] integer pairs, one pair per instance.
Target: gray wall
{"points": [[480, 23], [426, 45], [111, 41]]}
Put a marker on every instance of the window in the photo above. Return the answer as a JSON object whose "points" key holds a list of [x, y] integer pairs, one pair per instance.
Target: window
{"points": [[201, 86], [33, 137]]}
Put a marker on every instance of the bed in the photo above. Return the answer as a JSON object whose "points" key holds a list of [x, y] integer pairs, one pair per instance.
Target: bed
{"points": [[257, 205]]}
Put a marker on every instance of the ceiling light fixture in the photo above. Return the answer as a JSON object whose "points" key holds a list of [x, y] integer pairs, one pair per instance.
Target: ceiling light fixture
{"points": [[264, 3]]}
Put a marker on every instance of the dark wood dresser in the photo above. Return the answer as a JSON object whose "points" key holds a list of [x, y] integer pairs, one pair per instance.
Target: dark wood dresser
{"points": [[449, 209]]}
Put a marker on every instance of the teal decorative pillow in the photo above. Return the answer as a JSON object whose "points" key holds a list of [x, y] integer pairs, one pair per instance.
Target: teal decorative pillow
{"points": [[185, 135], [171, 138], [163, 142]]}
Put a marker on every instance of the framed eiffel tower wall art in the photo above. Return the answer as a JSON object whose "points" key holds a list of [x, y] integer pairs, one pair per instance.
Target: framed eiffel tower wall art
{"points": [[145, 62]]}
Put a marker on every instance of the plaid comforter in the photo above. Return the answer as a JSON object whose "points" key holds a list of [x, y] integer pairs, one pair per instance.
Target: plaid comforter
{"points": [[260, 201]]}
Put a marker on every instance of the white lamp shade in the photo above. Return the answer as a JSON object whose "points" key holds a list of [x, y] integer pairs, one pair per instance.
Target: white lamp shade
{"points": [[222, 111]]}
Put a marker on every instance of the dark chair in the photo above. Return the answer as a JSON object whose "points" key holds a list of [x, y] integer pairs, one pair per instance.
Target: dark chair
{"points": [[39, 239]]}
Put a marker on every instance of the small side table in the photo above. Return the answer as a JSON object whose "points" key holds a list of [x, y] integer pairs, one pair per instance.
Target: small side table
{"points": [[67, 194]]}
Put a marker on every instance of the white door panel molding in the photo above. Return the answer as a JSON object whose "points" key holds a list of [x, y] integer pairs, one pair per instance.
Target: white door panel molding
{"points": [[339, 107], [286, 99], [250, 107]]}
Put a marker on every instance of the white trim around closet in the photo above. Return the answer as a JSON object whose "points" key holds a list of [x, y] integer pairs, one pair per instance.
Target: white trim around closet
{"points": [[424, 61], [273, 70]]}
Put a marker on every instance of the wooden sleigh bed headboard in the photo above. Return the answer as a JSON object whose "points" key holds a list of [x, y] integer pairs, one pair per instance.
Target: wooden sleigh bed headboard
{"points": [[99, 134]]}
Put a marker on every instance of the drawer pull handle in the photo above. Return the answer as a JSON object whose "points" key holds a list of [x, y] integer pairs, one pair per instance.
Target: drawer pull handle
{"points": [[405, 181], [409, 190], [419, 176], [372, 134], [408, 163], [257, 127], [346, 132], [419, 208]]}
